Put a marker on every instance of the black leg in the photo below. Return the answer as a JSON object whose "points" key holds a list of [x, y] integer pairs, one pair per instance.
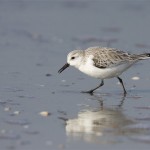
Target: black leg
{"points": [[92, 90], [120, 80]]}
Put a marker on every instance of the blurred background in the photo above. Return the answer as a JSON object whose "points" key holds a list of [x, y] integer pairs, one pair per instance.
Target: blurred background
{"points": [[40, 109]]}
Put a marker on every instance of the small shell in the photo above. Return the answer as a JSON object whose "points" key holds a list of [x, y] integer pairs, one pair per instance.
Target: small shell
{"points": [[16, 112], [7, 109], [63, 80], [135, 78], [44, 113]]}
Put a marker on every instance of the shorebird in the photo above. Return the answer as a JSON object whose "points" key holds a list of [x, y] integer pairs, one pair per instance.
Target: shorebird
{"points": [[102, 63]]}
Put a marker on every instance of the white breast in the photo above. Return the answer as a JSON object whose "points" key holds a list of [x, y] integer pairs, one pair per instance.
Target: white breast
{"points": [[89, 69]]}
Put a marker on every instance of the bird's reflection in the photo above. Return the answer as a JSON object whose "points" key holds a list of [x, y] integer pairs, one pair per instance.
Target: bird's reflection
{"points": [[99, 98], [93, 123]]}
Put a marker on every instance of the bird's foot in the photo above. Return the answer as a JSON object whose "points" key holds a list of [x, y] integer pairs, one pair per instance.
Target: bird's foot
{"points": [[89, 92]]}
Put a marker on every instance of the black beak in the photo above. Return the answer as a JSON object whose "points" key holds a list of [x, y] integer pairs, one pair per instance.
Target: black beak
{"points": [[63, 68]]}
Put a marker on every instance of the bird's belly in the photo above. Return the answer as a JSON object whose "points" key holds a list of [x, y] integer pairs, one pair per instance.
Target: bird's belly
{"points": [[104, 73]]}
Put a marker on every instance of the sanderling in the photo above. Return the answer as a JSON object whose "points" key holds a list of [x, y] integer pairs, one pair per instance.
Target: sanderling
{"points": [[102, 63]]}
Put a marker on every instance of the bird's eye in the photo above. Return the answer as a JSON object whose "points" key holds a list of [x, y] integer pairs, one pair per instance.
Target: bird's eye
{"points": [[72, 57]]}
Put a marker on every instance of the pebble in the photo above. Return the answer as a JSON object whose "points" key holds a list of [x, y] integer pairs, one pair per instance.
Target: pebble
{"points": [[48, 75]]}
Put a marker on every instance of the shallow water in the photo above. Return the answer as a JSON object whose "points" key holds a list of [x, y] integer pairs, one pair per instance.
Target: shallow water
{"points": [[35, 38]]}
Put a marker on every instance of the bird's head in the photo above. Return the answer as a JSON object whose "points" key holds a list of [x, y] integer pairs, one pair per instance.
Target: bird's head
{"points": [[74, 58]]}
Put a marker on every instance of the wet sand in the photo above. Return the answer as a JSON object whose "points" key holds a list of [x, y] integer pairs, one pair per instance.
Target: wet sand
{"points": [[40, 109]]}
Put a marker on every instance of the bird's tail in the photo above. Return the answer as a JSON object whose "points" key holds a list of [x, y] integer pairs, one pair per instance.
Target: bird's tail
{"points": [[143, 56]]}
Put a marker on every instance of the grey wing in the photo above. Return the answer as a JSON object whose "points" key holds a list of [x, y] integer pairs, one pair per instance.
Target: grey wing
{"points": [[110, 59]]}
